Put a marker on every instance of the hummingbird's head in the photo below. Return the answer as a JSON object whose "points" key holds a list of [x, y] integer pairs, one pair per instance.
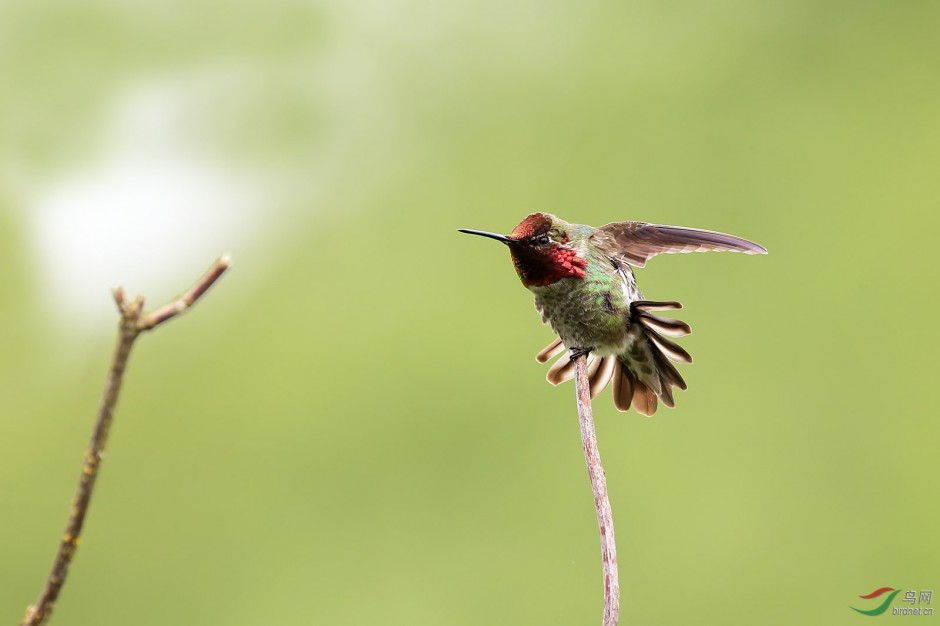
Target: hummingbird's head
{"points": [[542, 249]]}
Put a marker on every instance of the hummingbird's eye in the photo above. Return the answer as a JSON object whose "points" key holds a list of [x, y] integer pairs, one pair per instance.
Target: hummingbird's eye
{"points": [[543, 240]]}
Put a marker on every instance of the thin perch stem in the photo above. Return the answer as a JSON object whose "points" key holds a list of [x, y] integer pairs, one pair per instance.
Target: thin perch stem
{"points": [[605, 520], [133, 322]]}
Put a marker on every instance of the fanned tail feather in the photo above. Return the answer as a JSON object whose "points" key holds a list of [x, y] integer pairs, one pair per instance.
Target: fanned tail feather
{"points": [[643, 376], [664, 325], [664, 375], [603, 375], [644, 399], [623, 387], [551, 351], [561, 370], [655, 305], [629, 391], [670, 348]]}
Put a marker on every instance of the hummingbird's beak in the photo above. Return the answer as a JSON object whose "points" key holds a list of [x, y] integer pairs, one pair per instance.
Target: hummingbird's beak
{"points": [[483, 233]]}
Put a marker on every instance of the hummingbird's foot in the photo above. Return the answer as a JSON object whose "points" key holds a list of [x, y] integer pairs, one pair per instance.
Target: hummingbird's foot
{"points": [[576, 352]]}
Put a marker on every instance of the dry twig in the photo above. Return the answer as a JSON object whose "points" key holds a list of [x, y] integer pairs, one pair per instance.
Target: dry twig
{"points": [[133, 322], [605, 521]]}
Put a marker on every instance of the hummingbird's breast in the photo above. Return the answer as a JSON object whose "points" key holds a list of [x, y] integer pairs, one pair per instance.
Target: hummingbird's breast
{"points": [[593, 311]]}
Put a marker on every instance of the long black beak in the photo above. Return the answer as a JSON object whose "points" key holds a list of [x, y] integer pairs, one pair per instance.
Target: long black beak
{"points": [[483, 233]]}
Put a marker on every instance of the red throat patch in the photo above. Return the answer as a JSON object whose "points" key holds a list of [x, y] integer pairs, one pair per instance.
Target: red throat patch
{"points": [[542, 267], [564, 264]]}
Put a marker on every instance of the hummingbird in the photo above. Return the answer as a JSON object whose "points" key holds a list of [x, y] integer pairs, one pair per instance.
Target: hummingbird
{"points": [[584, 287]]}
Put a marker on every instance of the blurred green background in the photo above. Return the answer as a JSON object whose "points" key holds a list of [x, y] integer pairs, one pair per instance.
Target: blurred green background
{"points": [[351, 428]]}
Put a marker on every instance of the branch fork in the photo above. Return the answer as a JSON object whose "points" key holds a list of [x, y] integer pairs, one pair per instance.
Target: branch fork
{"points": [[133, 322]]}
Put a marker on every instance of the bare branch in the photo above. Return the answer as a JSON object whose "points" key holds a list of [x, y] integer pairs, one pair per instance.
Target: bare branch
{"points": [[133, 322], [605, 520], [187, 298]]}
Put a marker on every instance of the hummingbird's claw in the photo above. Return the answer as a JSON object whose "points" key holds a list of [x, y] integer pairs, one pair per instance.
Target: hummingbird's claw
{"points": [[576, 352]]}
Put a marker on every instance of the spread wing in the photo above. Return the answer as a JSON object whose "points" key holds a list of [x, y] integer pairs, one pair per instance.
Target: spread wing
{"points": [[637, 242]]}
